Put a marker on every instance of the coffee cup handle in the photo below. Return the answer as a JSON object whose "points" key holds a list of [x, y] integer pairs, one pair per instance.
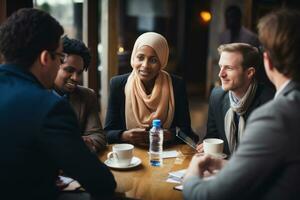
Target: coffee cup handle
{"points": [[112, 155]]}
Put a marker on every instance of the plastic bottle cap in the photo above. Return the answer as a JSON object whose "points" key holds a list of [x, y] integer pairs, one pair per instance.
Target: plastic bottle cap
{"points": [[156, 122]]}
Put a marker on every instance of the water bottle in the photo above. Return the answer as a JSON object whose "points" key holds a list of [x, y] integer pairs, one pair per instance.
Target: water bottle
{"points": [[156, 137]]}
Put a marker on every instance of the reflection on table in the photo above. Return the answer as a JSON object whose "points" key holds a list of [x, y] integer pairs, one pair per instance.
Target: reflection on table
{"points": [[148, 182]]}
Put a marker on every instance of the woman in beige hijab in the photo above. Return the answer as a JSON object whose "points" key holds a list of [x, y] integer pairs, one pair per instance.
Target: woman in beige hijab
{"points": [[147, 93]]}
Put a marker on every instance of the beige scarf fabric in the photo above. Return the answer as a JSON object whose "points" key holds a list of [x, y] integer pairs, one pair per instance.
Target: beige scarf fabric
{"points": [[240, 108], [141, 108]]}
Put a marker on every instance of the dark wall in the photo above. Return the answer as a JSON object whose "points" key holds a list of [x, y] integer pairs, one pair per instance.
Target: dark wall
{"points": [[196, 43], [13, 5]]}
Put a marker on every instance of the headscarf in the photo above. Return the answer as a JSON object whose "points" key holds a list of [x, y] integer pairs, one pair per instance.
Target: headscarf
{"points": [[141, 108]]}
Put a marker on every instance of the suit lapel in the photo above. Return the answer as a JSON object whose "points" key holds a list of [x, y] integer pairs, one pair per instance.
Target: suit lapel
{"points": [[225, 105], [75, 100], [290, 86]]}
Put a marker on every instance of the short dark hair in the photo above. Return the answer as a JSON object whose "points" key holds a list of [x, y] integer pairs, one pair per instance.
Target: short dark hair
{"points": [[279, 33], [77, 47], [26, 33], [250, 54]]}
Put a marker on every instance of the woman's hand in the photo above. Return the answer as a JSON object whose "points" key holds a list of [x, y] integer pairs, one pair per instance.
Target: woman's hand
{"points": [[136, 136]]}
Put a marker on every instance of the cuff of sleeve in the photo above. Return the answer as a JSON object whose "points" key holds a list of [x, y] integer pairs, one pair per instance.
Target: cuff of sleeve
{"points": [[114, 136]]}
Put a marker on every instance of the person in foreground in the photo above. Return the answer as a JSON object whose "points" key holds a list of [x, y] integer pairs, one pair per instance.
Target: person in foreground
{"points": [[240, 94], [266, 164], [83, 100], [39, 131], [145, 94]]}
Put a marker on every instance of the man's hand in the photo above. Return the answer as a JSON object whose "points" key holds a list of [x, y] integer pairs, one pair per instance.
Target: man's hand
{"points": [[89, 142], [203, 165], [136, 136]]}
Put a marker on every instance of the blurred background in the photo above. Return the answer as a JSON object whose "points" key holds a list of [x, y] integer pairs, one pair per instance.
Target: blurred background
{"points": [[193, 29]]}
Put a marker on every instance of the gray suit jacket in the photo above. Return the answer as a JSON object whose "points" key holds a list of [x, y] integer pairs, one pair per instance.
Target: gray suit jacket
{"points": [[267, 163]]}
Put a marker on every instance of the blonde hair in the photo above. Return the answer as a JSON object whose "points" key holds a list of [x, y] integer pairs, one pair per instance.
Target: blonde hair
{"points": [[250, 54]]}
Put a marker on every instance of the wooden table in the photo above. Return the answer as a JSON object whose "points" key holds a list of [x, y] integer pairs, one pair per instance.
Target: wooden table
{"points": [[149, 182]]}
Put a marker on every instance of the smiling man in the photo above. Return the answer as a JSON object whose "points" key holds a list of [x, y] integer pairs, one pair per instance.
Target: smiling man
{"points": [[231, 104], [266, 164], [83, 100]]}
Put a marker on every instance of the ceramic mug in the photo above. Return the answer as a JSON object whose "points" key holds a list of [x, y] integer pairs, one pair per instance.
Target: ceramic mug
{"points": [[213, 146], [121, 154]]}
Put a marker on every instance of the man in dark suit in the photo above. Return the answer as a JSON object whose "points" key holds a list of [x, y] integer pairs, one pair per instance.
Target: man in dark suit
{"points": [[38, 130], [266, 164], [83, 100], [231, 104]]}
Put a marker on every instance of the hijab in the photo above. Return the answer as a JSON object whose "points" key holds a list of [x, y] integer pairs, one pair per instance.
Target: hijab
{"points": [[142, 108]]}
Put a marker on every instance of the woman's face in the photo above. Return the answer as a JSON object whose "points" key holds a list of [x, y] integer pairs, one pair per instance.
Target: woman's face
{"points": [[146, 63]]}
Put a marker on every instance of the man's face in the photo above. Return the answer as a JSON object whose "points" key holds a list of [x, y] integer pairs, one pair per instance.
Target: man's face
{"points": [[54, 66], [69, 74], [232, 74]]}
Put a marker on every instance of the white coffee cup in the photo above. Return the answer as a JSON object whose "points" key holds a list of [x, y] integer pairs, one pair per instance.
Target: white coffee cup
{"points": [[213, 146], [121, 154]]}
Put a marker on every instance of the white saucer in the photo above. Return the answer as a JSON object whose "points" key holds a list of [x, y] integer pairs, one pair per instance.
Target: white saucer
{"points": [[134, 162], [220, 156]]}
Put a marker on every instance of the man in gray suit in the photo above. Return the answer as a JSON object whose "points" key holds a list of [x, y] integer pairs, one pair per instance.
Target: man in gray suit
{"points": [[267, 163]]}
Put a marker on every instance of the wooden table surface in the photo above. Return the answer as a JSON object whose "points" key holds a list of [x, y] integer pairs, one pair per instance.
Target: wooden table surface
{"points": [[149, 182]]}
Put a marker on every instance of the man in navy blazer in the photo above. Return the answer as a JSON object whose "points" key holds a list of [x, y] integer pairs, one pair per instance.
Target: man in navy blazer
{"points": [[266, 164], [38, 130]]}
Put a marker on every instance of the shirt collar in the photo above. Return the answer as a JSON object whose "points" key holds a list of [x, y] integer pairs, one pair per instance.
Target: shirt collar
{"points": [[281, 88], [61, 95]]}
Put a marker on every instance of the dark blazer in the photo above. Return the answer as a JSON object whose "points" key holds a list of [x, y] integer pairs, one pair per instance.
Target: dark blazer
{"points": [[266, 164], [219, 104], [39, 135], [115, 122]]}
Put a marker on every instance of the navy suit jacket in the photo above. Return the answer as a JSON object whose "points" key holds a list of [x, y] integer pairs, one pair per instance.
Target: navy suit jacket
{"points": [[115, 123], [39, 135], [219, 104]]}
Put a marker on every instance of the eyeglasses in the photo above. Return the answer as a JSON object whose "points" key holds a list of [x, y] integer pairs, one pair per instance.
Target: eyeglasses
{"points": [[62, 56], [261, 49]]}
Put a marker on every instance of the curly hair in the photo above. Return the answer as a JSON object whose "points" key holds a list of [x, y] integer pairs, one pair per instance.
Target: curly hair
{"points": [[77, 47], [26, 33]]}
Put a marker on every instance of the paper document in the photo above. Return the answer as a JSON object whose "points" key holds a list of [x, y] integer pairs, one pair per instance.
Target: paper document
{"points": [[66, 180], [176, 176], [178, 187], [71, 183], [169, 154]]}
